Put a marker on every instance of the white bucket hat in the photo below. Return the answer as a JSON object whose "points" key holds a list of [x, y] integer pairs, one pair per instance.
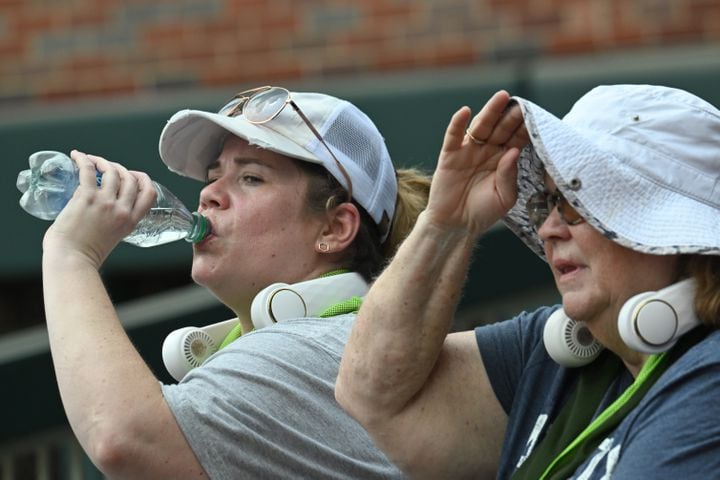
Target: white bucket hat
{"points": [[640, 163], [193, 139]]}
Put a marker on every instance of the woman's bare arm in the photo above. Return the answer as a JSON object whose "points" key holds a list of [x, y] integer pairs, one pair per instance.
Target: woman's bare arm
{"points": [[422, 394], [112, 399]]}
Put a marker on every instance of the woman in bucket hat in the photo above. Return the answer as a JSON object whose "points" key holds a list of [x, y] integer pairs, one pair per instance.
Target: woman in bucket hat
{"points": [[305, 208], [622, 199]]}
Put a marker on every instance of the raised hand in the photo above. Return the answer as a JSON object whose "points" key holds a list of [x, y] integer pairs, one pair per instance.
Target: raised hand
{"points": [[97, 218], [474, 184]]}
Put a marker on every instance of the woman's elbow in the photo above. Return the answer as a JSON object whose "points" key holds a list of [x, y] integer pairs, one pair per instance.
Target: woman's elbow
{"points": [[110, 453], [346, 399]]}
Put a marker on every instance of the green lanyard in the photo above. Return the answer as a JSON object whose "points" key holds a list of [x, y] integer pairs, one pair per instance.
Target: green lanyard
{"points": [[549, 460], [619, 409], [350, 305]]}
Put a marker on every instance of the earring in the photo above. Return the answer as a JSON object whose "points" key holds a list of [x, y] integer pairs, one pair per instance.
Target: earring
{"points": [[323, 247]]}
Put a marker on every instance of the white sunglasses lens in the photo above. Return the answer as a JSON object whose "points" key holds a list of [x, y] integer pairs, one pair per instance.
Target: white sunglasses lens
{"points": [[265, 105], [230, 106]]}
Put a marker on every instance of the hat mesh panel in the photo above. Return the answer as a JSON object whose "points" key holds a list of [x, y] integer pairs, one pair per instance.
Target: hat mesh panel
{"points": [[362, 149], [356, 139]]}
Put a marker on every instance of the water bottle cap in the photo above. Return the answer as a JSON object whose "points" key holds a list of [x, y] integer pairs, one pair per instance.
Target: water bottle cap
{"points": [[201, 229]]}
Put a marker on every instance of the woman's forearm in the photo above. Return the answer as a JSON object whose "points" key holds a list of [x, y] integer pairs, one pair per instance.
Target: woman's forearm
{"points": [[422, 394], [402, 324]]}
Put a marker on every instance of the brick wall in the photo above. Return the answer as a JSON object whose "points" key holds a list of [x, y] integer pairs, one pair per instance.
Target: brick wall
{"points": [[64, 49]]}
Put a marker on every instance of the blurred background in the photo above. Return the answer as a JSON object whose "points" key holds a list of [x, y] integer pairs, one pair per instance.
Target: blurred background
{"points": [[103, 76]]}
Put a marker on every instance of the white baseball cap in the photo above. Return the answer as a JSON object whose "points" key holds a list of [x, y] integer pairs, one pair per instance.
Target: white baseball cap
{"points": [[640, 163], [193, 139]]}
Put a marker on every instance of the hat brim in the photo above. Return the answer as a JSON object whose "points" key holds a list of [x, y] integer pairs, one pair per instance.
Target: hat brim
{"points": [[192, 140], [628, 208]]}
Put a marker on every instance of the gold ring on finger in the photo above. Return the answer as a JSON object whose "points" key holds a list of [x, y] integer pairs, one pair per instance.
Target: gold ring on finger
{"points": [[476, 141]]}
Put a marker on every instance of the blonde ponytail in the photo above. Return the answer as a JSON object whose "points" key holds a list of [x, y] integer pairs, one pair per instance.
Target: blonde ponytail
{"points": [[413, 191]]}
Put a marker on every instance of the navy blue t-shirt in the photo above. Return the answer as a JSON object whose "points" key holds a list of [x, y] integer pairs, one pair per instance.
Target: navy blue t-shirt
{"points": [[674, 432]]}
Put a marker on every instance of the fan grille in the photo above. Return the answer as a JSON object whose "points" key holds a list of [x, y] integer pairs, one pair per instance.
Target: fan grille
{"points": [[198, 346], [580, 340]]}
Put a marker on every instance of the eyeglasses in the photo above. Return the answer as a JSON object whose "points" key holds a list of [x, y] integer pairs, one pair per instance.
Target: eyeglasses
{"points": [[262, 104], [541, 204]]}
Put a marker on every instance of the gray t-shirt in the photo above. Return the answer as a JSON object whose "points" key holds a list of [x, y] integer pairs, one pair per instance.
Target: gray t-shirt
{"points": [[264, 407], [673, 433]]}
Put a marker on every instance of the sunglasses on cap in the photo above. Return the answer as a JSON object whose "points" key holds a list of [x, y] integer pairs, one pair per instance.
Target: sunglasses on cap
{"points": [[262, 104], [541, 204]]}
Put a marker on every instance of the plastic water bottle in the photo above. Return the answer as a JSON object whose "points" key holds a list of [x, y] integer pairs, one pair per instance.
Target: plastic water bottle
{"points": [[53, 177]]}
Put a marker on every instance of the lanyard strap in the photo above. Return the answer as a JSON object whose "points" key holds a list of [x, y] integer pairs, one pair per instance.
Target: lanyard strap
{"points": [[561, 452], [593, 381]]}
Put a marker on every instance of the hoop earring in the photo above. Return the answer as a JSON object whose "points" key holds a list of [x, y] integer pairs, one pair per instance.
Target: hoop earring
{"points": [[323, 247]]}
